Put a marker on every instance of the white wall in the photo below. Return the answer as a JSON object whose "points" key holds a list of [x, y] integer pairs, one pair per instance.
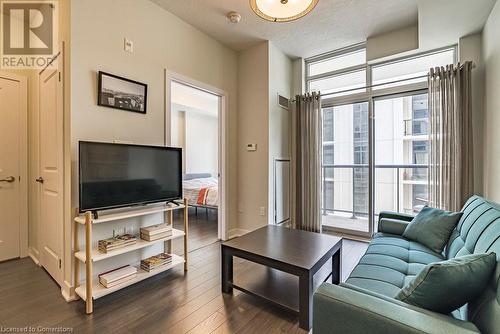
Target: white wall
{"points": [[161, 41], [470, 48], [253, 120], [194, 126], [491, 55], [392, 43], [263, 72], [280, 82], [201, 143]]}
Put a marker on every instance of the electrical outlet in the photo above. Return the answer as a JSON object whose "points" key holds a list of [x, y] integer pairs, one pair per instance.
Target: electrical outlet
{"points": [[262, 211]]}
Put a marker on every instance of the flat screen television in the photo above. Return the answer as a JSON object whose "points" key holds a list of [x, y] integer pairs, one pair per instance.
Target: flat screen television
{"points": [[120, 175]]}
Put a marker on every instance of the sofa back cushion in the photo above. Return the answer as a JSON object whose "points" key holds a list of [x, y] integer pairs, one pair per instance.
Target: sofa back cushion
{"points": [[478, 231], [432, 227]]}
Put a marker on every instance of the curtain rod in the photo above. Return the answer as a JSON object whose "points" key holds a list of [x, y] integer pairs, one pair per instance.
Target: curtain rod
{"points": [[376, 85]]}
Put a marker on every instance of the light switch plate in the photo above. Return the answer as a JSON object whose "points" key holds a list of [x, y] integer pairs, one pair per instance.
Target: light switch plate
{"points": [[128, 45]]}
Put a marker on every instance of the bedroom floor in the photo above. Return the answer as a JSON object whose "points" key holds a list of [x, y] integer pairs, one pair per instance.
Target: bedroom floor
{"points": [[202, 228]]}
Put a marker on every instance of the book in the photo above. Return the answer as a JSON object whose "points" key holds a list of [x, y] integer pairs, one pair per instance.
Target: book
{"points": [[156, 229], [156, 261], [116, 242], [117, 276], [120, 281], [156, 236]]}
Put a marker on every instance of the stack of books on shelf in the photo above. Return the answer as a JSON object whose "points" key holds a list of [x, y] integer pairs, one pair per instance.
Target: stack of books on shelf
{"points": [[117, 276], [155, 232], [156, 261], [116, 242]]}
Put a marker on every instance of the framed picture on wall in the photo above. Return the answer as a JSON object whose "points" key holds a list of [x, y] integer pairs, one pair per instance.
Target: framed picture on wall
{"points": [[121, 93]]}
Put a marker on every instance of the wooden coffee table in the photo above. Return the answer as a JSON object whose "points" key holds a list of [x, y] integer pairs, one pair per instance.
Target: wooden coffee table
{"points": [[295, 252]]}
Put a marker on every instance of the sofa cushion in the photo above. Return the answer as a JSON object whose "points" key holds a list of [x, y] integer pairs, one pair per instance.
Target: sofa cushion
{"points": [[389, 263], [432, 227], [447, 285]]}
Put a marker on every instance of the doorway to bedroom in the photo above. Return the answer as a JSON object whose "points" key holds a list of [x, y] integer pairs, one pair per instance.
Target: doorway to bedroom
{"points": [[195, 127]]}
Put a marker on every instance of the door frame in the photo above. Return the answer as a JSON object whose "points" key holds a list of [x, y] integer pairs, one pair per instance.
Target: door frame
{"points": [[170, 77], [23, 164]]}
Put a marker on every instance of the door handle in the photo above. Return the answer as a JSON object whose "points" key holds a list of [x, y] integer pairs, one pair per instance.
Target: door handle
{"points": [[39, 180], [8, 179]]}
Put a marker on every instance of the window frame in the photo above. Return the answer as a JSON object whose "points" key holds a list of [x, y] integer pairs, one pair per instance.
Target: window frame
{"points": [[369, 95]]}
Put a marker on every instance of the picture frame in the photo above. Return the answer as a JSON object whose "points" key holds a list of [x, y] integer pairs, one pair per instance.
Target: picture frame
{"points": [[121, 93]]}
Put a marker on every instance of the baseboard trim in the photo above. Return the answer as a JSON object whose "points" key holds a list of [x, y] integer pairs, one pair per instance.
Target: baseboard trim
{"points": [[34, 255], [68, 292], [236, 232]]}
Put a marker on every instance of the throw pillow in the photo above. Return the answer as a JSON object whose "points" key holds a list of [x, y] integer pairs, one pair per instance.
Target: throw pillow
{"points": [[432, 227], [447, 285]]}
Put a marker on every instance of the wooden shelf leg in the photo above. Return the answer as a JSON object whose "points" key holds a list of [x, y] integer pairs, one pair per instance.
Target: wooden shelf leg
{"points": [[186, 230], [88, 262], [168, 243], [76, 248]]}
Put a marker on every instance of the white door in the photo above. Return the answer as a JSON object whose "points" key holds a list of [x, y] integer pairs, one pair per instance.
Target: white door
{"points": [[51, 172], [12, 109], [281, 191]]}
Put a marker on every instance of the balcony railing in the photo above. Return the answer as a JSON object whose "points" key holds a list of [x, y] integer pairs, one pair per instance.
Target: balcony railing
{"points": [[413, 176]]}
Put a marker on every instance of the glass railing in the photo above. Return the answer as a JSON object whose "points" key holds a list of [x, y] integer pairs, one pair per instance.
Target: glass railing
{"points": [[400, 188]]}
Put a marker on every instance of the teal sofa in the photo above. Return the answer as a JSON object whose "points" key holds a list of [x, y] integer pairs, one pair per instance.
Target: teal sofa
{"points": [[365, 302]]}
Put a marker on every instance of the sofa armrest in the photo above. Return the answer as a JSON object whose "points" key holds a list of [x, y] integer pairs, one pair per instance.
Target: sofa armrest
{"points": [[393, 222], [395, 215], [392, 226], [340, 309]]}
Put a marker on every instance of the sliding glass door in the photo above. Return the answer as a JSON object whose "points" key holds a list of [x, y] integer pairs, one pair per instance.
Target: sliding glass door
{"points": [[401, 153], [396, 175], [345, 167], [375, 145]]}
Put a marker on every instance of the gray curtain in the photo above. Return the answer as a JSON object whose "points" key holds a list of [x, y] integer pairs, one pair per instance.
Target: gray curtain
{"points": [[451, 171], [308, 162]]}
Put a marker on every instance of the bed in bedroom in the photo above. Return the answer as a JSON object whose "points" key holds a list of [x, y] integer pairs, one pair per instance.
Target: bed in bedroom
{"points": [[201, 191]]}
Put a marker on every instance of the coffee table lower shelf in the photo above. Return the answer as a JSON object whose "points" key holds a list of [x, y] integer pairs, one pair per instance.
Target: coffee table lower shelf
{"points": [[271, 285]]}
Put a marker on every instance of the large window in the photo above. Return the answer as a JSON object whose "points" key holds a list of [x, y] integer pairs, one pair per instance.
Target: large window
{"points": [[405, 69], [394, 177]]}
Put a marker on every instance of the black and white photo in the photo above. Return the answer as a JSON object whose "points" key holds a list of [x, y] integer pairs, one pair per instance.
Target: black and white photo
{"points": [[121, 93]]}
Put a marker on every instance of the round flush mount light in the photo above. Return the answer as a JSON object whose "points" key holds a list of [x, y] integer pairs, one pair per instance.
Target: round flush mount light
{"points": [[282, 10]]}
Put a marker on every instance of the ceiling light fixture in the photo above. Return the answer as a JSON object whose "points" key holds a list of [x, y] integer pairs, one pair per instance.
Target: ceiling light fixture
{"points": [[282, 10]]}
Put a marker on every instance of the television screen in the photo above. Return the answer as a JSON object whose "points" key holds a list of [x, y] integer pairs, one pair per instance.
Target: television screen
{"points": [[119, 175]]}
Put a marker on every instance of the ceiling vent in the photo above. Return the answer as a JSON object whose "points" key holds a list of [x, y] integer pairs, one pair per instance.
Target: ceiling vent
{"points": [[283, 102]]}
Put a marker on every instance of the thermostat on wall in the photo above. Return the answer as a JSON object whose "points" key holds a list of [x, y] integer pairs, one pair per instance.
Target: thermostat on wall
{"points": [[251, 147]]}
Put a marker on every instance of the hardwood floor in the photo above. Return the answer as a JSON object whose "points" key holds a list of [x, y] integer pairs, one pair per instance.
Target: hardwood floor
{"points": [[202, 227], [172, 302]]}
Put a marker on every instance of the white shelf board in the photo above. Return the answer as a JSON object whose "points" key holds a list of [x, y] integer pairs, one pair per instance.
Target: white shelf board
{"points": [[98, 256], [131, 213], [99, 291]]}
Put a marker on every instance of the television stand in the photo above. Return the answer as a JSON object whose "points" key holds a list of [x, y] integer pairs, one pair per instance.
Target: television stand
{"points": [[172, 202], [90, 289]]}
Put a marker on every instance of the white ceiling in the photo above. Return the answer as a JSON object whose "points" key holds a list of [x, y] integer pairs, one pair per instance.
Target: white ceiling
{"points": [[443, 22], [331, 25], [334, 24], [186, 98]]}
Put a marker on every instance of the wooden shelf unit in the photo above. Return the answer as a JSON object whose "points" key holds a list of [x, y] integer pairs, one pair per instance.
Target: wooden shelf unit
{"points": [[91, 289]]}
